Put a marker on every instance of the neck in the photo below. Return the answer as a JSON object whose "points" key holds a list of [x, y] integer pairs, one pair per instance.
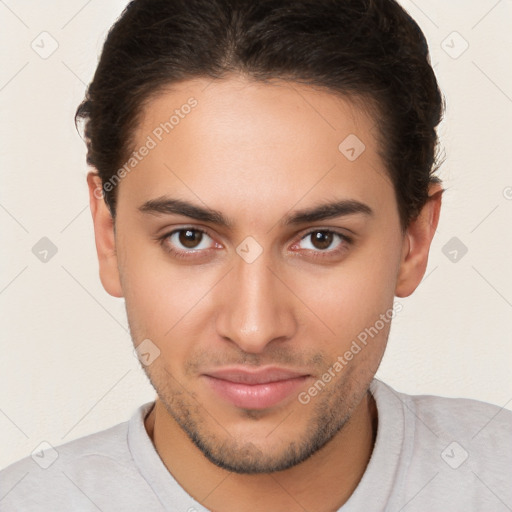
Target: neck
{"points": [[322, 483]]}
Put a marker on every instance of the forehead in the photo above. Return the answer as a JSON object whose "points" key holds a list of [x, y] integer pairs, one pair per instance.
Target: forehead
{"points": [[262, 145]]}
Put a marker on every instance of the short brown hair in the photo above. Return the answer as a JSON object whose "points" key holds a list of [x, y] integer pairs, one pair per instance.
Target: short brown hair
{"points": [[369, 50]]}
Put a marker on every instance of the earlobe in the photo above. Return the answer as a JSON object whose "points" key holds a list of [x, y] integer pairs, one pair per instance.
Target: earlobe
{"points": [[417, 241], [104, 237]]}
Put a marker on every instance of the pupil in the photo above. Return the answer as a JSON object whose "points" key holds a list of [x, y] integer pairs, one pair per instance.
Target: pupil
{"points": [[190, 238], [322, 239]]}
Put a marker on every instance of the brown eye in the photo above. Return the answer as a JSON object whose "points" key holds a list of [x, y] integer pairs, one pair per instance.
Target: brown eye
{"points": [[187, 240], [322, 239], [324, 242], [190, 238]]}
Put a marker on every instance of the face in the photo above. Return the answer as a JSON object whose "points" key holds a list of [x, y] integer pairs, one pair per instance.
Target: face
{"points": [[249, 286]]}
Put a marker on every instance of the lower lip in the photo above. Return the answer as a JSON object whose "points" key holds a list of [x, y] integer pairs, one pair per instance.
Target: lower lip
{"points": [[255, 396]]}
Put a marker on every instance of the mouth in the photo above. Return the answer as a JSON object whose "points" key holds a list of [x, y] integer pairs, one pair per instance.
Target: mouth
{"points": [[255, 389]]}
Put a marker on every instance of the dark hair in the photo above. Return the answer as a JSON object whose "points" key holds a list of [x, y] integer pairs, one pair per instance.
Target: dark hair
{"points": [[369, 50]]}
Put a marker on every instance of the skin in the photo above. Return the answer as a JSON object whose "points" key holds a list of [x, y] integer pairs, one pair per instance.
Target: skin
{"points": [[257, 153]]}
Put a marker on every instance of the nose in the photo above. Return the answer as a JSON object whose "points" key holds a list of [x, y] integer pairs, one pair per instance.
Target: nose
{"points": [[255, 307]]}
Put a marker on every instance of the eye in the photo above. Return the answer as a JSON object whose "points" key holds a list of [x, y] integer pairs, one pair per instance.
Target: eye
{"points": [[184, 241], [324, 240], [191, 242]]}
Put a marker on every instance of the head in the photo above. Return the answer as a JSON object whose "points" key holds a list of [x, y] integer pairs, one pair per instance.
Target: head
{"points": [[263, 189]]}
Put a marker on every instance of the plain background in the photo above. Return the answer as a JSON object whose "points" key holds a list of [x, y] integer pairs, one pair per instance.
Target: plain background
{"points": [[67, 366]]}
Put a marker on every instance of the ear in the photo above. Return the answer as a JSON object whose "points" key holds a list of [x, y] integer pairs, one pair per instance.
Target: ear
{"points": [[416, 244], [104, 236]]}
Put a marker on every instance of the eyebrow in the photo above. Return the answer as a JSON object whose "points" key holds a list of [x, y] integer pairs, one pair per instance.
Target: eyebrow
{"points": [[330, 210]]}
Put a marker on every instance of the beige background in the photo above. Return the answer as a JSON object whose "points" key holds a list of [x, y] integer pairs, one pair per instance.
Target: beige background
{"points": [[66, 365]]}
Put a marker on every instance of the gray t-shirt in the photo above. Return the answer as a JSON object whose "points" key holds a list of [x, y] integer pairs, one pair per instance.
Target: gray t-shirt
{"points": [[431, 454]]}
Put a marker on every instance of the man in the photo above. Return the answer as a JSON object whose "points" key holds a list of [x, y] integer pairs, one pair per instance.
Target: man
{"points": [[263, 189]]}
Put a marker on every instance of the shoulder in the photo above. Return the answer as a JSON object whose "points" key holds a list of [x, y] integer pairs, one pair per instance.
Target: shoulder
{"points": [[467, 418], [470, 436], [107, 443], [464, 416], [75, 475], [454, 450]]}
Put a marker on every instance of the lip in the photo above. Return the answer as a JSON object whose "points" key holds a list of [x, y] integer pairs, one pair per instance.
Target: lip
{"points": [[254, 389]]}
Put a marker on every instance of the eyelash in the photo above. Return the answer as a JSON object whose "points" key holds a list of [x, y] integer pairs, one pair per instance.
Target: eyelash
{"points": [[345, 241]]}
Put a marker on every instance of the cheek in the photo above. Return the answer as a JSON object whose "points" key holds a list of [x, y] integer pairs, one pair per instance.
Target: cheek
{"points": [[350, 297], [161, 298]]}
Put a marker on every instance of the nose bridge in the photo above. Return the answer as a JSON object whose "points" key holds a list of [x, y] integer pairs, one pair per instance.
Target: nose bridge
{"points": [[255, 310]]}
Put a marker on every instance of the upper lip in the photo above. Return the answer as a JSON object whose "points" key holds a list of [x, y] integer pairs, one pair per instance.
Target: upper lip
{"points": [[260, 376]]}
